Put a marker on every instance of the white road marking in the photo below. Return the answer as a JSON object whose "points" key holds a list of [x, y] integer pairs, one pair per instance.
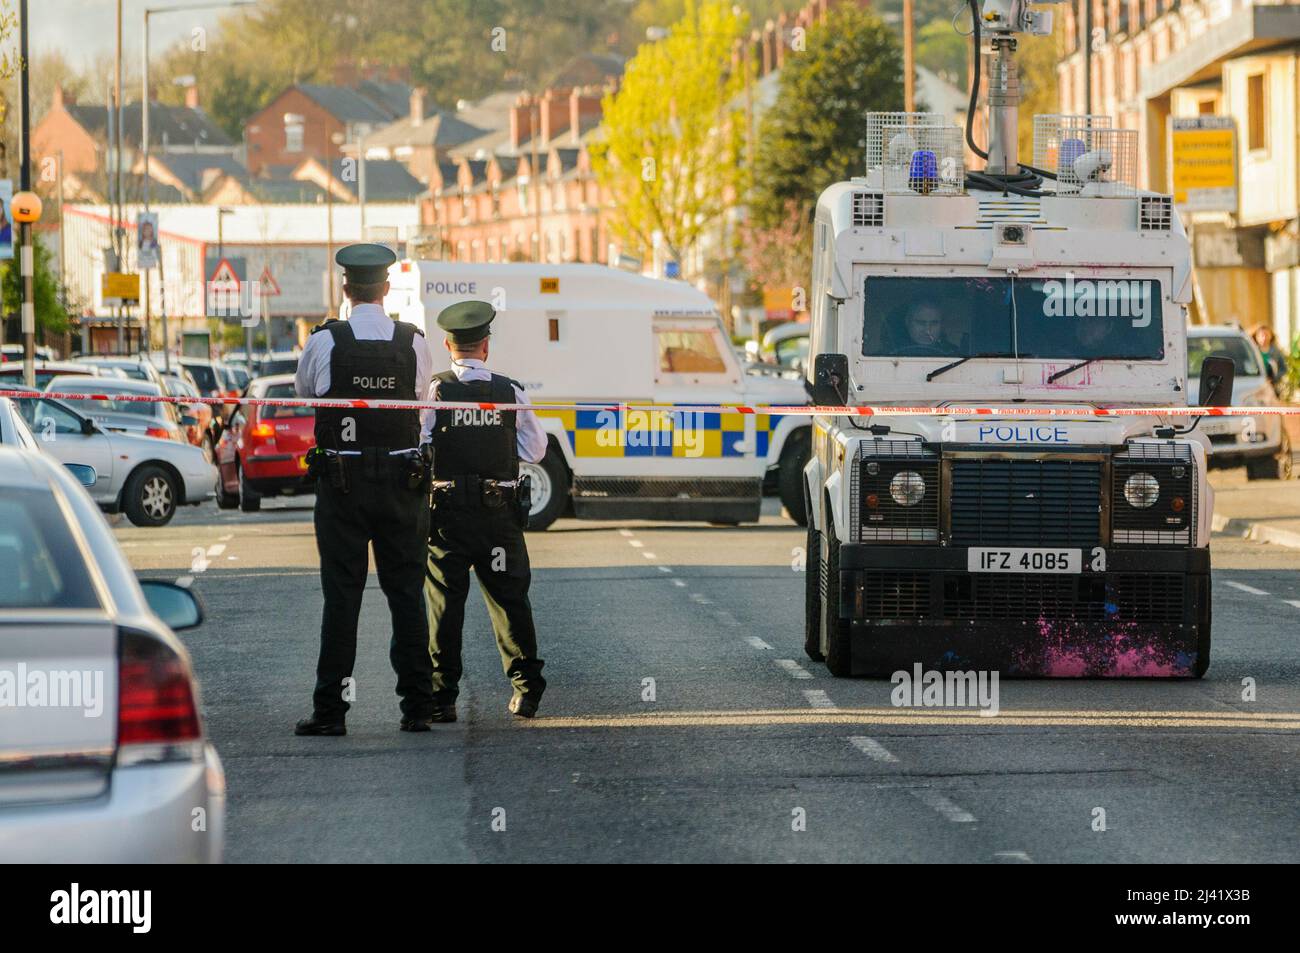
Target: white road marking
{"points": [[758, 643], [649, 555], [625, 532], [216, 549], [635, 542], [1294, 603], [818, 698], [228, 536], [701, 600], [1245, 588], [680, 583], [937, 802], [873, 749], [1012, 857], [664, 568], [794, 669]]}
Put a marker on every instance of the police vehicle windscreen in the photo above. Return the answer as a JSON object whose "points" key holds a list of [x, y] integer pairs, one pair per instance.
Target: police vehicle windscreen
{"points": [[1040, 317], [1243, 356], [285, 390]]}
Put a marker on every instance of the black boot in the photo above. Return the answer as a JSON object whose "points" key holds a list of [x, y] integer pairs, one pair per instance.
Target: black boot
{"points": [[416, 722], [523, 706], [316, 725]]}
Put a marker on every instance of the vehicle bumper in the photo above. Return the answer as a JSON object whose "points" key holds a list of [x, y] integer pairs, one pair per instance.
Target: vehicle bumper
{"points": [[1147, 615], [200, 482], [147, 816], [276, 472]]}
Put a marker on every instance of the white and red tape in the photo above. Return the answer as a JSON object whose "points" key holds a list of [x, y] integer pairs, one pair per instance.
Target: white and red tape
{"points": [[801, 410]]}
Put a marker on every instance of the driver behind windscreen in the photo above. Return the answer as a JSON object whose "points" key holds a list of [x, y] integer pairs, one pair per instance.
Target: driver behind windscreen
{"points": [[925, 325]]}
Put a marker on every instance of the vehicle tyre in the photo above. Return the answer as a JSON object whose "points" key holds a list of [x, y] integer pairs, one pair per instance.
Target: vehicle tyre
{"points": [[1277, 467], [836, 644], [794, 457], [250, 501], [550, 480], [812, 589], [225, 501], [149, 498]]}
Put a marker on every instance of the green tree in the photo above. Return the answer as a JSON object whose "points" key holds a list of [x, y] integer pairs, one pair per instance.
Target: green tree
{"points": [[943, 50], [813, 134], [51, 313], [1037, 58], [671, 154]]}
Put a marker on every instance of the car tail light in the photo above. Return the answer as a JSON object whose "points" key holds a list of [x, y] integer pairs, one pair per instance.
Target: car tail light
{"points": [[161, 433], [262, 431], [156, 695]]}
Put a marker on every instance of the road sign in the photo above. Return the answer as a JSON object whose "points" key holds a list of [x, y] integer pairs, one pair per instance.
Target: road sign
{"points": [[120, 286], [270, 288], [1203, 163], [225, 279]]}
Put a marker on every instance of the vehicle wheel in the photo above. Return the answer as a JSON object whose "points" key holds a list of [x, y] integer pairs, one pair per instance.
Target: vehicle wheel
{"points": [[550, 480], [794, 457], [812, 589], [150, 497], [250, 501], [835, 642], [1278, 467]]}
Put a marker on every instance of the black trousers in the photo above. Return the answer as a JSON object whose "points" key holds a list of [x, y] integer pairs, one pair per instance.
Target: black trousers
{"points": [[380, 509], [489, 540]]}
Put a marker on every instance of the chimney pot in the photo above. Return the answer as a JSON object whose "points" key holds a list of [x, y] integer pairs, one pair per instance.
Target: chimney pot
{"points": [[417, 106]]}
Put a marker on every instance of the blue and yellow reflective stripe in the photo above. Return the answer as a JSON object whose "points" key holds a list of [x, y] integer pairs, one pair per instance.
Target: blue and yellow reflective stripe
{"points": [[683, 432]]}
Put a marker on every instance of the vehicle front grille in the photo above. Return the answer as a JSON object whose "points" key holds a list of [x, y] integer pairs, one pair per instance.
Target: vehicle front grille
{"points": [[1030, 502], [894, 595], [1123, 597]]}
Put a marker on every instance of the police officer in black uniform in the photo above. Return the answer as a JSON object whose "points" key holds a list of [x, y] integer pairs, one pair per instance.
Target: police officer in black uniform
{"points": [[480, 509], [372, 486]]}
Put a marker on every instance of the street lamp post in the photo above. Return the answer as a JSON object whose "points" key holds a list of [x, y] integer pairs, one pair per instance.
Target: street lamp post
{"points": [[144, 147], [25, 179]]}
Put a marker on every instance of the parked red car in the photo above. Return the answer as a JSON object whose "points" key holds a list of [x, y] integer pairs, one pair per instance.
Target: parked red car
{"points": [[263, 450]]}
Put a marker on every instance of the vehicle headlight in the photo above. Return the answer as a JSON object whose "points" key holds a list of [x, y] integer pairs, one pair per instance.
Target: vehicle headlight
{"points": [[907, 488], [1141, 490]]}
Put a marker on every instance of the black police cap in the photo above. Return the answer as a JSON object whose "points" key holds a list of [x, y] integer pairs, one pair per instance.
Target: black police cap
{"points": [[365, 264], [467, 322]]}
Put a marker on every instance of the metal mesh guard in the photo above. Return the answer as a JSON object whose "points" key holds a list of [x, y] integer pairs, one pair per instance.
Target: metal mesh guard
{"points": [[897, 144], [1088, 160]]}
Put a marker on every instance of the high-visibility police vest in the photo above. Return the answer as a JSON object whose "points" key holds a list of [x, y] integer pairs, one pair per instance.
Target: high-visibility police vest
{"points": [[477, 442], [380, 369]]}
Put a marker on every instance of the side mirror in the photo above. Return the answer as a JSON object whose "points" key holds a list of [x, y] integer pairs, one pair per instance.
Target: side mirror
{"points": [[177, 606], [88, 427], [1217, 374], [830, 380], [85, 474]]}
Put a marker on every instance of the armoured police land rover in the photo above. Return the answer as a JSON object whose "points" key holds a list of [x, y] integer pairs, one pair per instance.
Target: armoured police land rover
{"points": [[1031, 534]]}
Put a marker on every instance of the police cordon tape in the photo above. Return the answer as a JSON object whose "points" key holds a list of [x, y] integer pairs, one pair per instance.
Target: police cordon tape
{"points": [[795, 410]]}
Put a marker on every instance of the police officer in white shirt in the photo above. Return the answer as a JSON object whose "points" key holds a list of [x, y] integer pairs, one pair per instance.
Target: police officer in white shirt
{"points": [[372, 488], [479, 513]]}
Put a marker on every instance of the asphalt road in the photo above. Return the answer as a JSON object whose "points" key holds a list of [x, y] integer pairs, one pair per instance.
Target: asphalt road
{"points": [[743, 739]]}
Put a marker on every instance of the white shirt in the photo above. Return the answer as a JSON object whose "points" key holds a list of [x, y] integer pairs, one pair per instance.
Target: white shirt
{"points": [[369, 323], [530, 438]]}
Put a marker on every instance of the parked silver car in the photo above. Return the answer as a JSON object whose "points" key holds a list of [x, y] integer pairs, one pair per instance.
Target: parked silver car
{"points": [[143, 477], [163, 421], [103, 756], [1260, 444]]}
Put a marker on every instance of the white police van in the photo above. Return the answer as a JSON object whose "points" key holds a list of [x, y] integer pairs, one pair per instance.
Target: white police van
{"points": [[1007, 536], [592, 335]]}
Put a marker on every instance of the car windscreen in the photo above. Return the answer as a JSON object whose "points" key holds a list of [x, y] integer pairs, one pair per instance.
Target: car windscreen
{"points": [[1041, 317], [287, 366], [44, 567], [1242, 354], [205, 377], [284, 390]]}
